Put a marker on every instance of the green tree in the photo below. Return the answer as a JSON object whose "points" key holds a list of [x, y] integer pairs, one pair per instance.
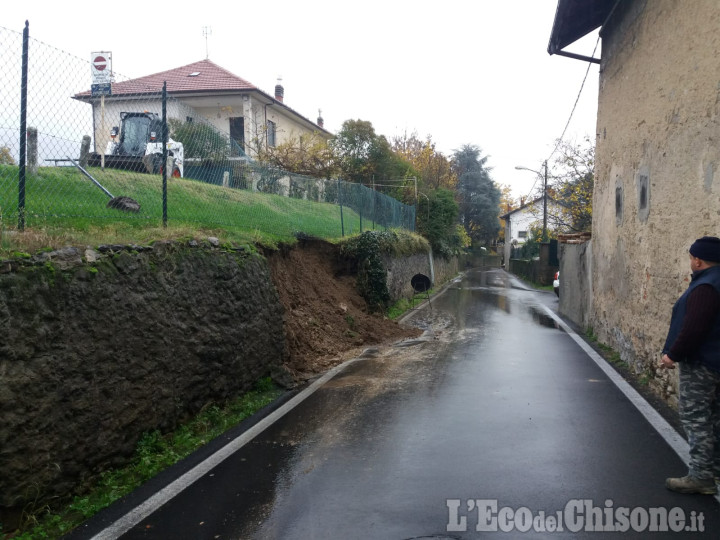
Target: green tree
{"points": [[434, 169], [6, 156], [478, 196], [366, 157], [200, 140], [507, 203], [308, 154], [531, 247], [573, 182], [437, 214]]}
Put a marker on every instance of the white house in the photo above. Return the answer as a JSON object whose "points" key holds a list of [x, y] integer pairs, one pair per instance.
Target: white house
{"points": [[519, 221], [231, 104]]}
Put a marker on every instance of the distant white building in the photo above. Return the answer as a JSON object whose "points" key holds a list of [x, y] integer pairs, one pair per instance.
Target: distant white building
{"points": [[519, 221]]}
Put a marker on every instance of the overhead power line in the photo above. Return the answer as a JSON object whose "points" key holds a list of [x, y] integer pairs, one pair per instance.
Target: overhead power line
{"points": [[572, 112], [577, 99]]}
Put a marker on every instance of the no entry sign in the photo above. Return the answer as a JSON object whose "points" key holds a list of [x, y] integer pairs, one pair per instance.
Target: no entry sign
{"points": [[100, 63], [100, 67]]}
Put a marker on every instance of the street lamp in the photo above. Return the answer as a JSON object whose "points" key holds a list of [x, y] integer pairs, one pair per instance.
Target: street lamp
{"points": [[544, 176]]}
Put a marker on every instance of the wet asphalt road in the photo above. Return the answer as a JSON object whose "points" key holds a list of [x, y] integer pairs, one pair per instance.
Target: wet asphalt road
{"points": [[495, 403]]}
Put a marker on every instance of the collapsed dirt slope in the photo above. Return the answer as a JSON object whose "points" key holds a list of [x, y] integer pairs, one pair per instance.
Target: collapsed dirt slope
{"points": [[325, 317]]}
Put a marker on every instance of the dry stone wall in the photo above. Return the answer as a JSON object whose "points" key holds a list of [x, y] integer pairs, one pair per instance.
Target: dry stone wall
{"points": [[99, 346], [400, 271]]}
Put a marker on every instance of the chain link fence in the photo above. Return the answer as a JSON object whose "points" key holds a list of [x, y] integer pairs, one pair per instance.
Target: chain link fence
{"points": [[76, 155]]}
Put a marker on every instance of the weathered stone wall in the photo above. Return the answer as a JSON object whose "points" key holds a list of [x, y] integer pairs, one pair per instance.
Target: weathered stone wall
{"points": [[576, 293], [400, 271], [657, 157], [97, 348], [445, 269]]}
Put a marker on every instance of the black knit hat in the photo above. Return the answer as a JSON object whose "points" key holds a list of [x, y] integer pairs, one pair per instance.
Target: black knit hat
{"points": [[706, 248]]}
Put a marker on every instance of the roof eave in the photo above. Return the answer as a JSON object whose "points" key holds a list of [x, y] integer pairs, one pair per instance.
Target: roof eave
{"points": [[575, 19], [87, 98]]}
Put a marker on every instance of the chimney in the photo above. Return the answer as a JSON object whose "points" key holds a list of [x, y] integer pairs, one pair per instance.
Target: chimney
{"points": [[320, 120], [279, 90]]}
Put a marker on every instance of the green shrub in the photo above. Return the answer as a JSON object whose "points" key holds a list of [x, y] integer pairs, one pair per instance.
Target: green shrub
{"points": [[367, 249]]}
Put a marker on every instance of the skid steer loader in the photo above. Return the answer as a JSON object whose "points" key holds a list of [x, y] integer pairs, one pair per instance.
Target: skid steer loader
{"points": [[137, 146]]}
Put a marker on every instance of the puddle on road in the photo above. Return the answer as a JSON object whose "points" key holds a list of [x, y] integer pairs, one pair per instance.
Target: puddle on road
{"points": [[542, 318], [471, 300]]}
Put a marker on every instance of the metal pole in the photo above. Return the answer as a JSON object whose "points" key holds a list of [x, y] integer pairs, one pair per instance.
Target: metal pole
{"points": [[102, 128], [23, 128], [374, 198], [342, 222], [544, 233], [164, 154]]}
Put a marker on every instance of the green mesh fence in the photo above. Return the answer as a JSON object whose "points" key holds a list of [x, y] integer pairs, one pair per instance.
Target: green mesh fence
{"points": [[95, 155]]}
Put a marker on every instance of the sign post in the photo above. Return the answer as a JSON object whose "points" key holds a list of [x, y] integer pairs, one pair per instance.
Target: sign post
{"points": [[101, 71]]}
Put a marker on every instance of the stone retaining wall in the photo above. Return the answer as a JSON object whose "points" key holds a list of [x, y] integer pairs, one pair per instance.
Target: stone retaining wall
{"points": [[99, 346], [401, 270]]}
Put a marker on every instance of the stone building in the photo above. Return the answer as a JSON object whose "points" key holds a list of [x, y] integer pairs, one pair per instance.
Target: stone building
{"points": [[657, 156]]}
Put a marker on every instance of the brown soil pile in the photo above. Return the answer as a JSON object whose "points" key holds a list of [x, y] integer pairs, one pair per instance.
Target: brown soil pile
{"points": [[325, 317]]}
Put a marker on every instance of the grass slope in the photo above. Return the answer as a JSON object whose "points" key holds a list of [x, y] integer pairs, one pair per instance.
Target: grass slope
{"points": [[65, 205]]}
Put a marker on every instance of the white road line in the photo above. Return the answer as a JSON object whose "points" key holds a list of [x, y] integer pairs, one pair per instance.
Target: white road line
{"points": [[666, 431], [672, 437], [140, 512]]}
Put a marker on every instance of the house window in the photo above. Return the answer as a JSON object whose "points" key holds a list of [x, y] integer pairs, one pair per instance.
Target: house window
{"points": [[522, 234], [189, 119], [270, 133], [643, 191], [237, 136]]}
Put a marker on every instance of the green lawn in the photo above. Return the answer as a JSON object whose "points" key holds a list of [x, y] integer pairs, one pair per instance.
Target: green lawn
{"points": [[62, 203]]}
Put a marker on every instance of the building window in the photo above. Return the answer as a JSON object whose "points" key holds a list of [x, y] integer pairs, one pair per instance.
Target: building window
{"points": [[237, 136], [270, 133], [643, 191], [522, 234], [188, 119]]}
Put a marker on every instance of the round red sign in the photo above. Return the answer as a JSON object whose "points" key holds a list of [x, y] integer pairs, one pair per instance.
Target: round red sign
{"points": [[100, 63]]}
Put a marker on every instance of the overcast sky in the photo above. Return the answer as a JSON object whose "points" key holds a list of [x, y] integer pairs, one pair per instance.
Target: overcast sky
{"points": [[465, 72]]}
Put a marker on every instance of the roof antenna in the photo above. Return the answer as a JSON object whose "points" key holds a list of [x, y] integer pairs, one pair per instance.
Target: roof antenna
{"points": [[207, 31]]}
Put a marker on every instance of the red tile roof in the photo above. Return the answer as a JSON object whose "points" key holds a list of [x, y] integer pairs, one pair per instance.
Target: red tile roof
{"points": [[200, 76]]}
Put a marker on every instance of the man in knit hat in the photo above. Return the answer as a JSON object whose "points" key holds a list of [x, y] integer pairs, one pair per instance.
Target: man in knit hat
{"points": [[693, 342]]}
